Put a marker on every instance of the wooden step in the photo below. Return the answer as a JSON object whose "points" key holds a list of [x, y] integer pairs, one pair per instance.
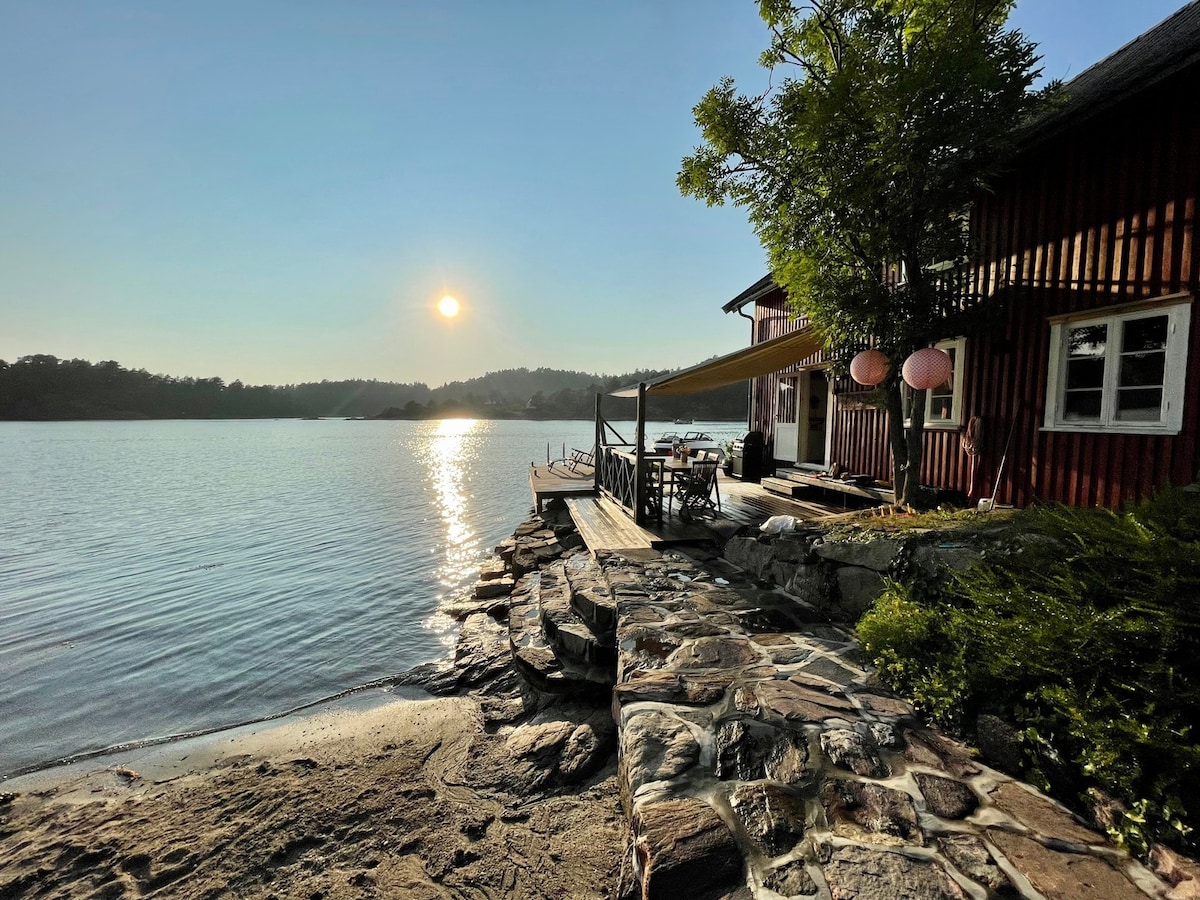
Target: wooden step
{"points": [[784, 486]]}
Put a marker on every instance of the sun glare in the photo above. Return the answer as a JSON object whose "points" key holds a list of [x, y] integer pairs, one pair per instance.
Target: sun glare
{"points": [[448, 307]]}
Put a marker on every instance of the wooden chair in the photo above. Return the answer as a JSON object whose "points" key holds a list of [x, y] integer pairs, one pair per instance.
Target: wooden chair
{"points": [[695, 490]]}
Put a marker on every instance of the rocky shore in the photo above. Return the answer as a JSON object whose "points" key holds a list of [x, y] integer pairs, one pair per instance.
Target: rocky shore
{"points": [[651, 725]]}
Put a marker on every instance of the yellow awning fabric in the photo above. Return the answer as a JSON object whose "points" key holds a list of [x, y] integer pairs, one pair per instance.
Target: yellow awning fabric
{"points": [[759, 359]]}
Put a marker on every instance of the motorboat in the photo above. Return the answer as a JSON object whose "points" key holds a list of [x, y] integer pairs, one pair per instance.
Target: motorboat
{"points": [[695, 441]]}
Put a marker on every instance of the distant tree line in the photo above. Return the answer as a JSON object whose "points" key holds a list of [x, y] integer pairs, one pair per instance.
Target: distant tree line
{"points": [[43, 387]]}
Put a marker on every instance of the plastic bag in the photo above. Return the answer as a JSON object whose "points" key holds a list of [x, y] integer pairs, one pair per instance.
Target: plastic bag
{"points": [[778, 525]]}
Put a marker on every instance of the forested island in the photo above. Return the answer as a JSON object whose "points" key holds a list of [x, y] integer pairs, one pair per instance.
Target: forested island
{"points": [[45, 388]]}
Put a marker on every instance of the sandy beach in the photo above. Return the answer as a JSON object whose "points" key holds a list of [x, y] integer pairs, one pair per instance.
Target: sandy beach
{"points": [[496, 792]]}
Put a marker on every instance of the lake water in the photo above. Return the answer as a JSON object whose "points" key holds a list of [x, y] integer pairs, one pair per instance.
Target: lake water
{"points": [[160, 578]]}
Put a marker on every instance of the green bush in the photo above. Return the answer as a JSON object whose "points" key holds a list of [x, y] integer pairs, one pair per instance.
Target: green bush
{"points": [[1084, 629]]}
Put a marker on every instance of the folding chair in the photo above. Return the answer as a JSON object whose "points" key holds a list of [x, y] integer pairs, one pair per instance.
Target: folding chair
{"points": [[695, 490]]}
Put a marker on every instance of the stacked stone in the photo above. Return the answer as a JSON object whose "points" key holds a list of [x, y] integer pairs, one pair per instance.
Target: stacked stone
{"points": [[561, 614], [759, 758]]}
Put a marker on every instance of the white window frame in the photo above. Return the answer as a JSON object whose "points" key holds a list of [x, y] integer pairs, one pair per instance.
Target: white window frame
{"points": [[1174, 373], [959, 346]]}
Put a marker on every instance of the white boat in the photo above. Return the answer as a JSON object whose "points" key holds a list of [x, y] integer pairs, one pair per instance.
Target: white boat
{"points": [[695, 441]]}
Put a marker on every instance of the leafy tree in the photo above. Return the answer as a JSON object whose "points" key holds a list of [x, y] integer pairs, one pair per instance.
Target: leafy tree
{"points": [[860, 164]]}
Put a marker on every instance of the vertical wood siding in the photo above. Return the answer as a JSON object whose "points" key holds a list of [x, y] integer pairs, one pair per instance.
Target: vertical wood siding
{"points": [[1100, 215]]}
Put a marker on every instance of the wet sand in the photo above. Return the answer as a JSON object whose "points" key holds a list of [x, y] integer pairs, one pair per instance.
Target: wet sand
{"points": [[413, 798]]}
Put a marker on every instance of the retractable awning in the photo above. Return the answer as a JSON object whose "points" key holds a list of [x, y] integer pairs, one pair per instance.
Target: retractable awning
{"points": [[759, 359]]}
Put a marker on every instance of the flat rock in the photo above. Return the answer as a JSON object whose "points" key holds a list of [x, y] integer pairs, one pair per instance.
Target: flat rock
{"points": [[850, 750], [663, 686], [1063, 876], [1040, 814], [795, 703], [771, 816], [715, 653], [946, 797], [871, 812], [684, 850], [495, 587], [930, 750], [858, 873]]}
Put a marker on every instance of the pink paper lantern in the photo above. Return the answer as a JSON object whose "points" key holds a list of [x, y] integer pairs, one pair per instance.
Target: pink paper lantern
{"points": [[869, 368], [927, 368]]}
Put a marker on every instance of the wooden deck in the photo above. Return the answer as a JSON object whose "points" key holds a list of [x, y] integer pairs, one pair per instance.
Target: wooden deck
{"points": [[604, 525], [790, 482]]}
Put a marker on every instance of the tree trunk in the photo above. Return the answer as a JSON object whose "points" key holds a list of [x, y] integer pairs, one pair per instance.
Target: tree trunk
{"points": [[907, 445]]}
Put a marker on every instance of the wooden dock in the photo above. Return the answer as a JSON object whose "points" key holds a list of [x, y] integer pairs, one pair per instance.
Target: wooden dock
{"points": [[549, 483]]}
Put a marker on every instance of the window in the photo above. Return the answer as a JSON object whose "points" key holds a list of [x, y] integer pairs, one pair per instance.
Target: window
{"points": [[943, 404], [1122, 371]]}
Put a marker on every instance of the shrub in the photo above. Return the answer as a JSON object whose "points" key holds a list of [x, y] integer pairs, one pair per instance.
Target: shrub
{"points": [[1084, 630]]}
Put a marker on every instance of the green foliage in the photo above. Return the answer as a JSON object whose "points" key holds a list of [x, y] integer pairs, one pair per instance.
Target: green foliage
{"points": [[1084, 631], [865, 158]]}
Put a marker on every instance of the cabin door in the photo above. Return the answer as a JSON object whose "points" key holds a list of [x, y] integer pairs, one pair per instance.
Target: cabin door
{"points": [[814, 404], [787, 420]]}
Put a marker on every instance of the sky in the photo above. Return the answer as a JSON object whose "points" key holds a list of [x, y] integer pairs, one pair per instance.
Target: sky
{"points": [[280, 191]]}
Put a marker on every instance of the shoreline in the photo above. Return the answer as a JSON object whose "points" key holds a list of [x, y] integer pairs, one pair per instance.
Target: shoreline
{"points": [[443, 781]]}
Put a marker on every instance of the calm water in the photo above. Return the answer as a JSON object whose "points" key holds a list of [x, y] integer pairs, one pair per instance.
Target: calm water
{"points": [[158, 578]]}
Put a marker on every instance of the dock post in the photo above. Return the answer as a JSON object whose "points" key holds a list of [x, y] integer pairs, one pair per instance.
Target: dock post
{"points": [[597, 448], [639, 453]]}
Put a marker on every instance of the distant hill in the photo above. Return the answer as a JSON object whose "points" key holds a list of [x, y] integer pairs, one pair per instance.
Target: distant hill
{"points": [[43, 387]]}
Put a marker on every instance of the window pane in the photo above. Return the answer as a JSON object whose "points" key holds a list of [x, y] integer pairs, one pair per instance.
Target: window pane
{"points": [[786, 408], [1082, 406], [1088, 340], [1085, 373], [1144, 334], [1143, 369], [1139, 405], [941, 409]]}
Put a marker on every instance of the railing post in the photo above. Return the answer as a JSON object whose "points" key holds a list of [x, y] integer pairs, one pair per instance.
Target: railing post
{"points": [[597, 445], [639, 453]]}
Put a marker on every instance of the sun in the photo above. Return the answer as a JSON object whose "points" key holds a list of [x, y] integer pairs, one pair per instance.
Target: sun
{"points": [[448, 307]]}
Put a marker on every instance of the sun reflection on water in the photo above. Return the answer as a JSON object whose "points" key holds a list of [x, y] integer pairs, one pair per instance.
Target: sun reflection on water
{"points": [[450, 448]]}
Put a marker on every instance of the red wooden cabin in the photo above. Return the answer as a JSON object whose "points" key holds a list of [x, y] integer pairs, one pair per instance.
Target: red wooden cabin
{"points": [[1094, 364]]}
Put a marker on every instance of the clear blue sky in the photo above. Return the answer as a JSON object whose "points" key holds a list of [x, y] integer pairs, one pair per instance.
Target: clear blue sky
{"points": [[280, 190]]}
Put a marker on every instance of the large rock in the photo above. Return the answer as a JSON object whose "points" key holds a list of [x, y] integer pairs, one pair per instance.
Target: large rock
{"points": [[809, 584], [940, 562], [856, 873], [877, 555], [851, 750], [662, 686], [858, 588], [749, 750], [871, 812], [749, 554], [685, 850], [1000, 743], [771, 816], [655, 746]]}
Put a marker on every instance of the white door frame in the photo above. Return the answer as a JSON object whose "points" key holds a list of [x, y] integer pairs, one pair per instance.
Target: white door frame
{"points": [[804, 385], [787, 433]]}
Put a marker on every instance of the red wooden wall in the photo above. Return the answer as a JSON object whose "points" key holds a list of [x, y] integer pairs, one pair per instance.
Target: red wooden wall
{"points": [[1100, 215]]}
